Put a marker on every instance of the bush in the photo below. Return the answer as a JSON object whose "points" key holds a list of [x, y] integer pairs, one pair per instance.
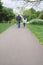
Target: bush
{"points": [[13, 21], [37, 21]]}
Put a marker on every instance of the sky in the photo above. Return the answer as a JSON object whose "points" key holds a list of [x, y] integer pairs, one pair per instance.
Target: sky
{"points": [[14, 4]]}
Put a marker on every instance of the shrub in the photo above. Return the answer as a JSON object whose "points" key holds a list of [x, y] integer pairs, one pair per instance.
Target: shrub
{"points": [[13, 21], [37, 21]]}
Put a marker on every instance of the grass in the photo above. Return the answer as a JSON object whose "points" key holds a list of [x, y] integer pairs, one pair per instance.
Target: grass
{"points": [[37, 30], [4, 26]]}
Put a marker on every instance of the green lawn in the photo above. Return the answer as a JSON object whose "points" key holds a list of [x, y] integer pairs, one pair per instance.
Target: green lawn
{"points": [[37, 30], [4, 26]]}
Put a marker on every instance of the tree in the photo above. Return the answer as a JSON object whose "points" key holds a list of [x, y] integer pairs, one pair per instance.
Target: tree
{"points": [[7, 14], [41, 15], [38, 13], [30, 14], [0, 6], [1, 11]]}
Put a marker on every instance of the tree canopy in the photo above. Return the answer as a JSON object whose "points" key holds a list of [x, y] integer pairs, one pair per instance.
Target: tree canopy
{"points": [[33, 14], [6, 13]]}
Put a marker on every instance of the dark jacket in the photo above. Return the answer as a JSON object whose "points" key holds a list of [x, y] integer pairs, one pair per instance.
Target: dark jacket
{"points": [[18, 18]]}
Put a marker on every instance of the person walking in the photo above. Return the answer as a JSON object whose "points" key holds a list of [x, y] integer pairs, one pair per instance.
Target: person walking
{"points": [[18, 18], [24, 19]]}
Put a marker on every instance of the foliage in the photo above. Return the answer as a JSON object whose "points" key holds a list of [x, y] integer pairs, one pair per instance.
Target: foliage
{"points": [[41, 15], [38, 13], [6, 13], [13, 21], [37, 22], [1, 6], [30, 14], [33, 14], [1, 10]]}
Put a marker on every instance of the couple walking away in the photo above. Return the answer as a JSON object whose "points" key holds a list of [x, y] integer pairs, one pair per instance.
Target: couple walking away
{"points": [[24, 19]]}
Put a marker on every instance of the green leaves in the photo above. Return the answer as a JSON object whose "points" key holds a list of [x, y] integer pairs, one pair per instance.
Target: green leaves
{"points": [[6, 13], [30, 14]]}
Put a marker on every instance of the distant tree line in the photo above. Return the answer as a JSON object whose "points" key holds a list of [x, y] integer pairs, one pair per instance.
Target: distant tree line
{"points": [[33, 14]]}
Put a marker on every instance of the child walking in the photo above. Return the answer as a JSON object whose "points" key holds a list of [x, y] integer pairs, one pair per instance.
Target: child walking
{"points": [[24, 19]]}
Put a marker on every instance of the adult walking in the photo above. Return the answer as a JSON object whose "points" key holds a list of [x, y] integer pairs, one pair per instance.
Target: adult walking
{"points": [[18, 18]]}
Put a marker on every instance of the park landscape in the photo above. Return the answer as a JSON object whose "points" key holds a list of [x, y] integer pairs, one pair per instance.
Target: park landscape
{"points": [[8, 18], [22, 46]]}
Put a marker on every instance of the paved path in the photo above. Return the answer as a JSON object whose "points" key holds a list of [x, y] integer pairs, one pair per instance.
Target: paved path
{"points": [[20, 47]]}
